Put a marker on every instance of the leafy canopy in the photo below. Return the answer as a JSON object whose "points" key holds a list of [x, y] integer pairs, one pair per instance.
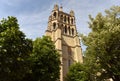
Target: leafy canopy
{"points": [[14, 50], [103, 44], [77, 72], [45, 59]]}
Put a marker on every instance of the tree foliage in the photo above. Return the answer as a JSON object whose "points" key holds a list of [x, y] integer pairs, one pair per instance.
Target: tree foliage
{"points": [[77, 72], [14, 50], [22, 59], [45, 60], [103, 44]]}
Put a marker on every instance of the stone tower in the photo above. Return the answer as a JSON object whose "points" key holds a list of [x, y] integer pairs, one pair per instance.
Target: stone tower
{"points": [[62, 29]]}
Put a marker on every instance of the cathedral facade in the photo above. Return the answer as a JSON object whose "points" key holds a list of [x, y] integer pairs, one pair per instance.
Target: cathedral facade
{"points": [[62, 30]]}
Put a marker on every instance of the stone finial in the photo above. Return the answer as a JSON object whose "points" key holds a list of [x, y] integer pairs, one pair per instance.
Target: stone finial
{"points": [[72, 13], [56, 7], [61, 8]]}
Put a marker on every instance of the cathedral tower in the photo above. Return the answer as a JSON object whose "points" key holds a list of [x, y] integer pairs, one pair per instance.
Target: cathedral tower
{"points": [[62, 30]]}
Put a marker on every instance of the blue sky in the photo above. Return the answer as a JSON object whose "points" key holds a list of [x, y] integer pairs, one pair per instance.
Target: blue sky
{"points": [[33, 15]]}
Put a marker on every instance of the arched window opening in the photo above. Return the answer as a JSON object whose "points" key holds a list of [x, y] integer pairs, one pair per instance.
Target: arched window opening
{"points": [[61, 25], [71, 21], [54, 25], [68, 20], [72, 31], [69, 51], [62, 28], [65, 30], [61, 17], [69, 63], [69, 30], [55, 14], [65, 19]]}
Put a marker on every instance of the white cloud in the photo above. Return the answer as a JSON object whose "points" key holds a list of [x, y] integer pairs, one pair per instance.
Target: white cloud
{"points": [[11, 2], [83, 8], [33, 17], [34, 24], [33, 20]]}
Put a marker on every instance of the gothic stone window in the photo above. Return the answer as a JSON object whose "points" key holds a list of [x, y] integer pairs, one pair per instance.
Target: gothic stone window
{"points": [[64, 18], [69, 51], [65, 30], [69, 63], [68, 20], [72, 21], [61, 17], [72, 31], [55, 14], [70, 54], [54, 25], [69, 30]]}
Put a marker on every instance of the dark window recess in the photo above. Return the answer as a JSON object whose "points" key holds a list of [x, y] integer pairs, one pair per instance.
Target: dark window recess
{"points": [[69, 63], [72, 31], [71, 21], [65, 30], [69, 50], [69, 54], [65, 19], [55, 14], [61, 17], [68, 20], [54, 25], [69, 30]]}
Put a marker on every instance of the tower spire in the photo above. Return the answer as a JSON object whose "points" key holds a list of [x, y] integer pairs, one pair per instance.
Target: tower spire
{"points": [[56, 7], [63, 32], [72, 13], [61, 8]]}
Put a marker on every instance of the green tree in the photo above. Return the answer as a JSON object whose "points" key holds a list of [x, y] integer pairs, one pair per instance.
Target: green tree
{"points": [[103, 44], [14, 50], [77, 72], [45, 60]]}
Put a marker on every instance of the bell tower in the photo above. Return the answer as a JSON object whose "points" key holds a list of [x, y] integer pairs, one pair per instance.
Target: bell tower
{"points": [[62, 30]]}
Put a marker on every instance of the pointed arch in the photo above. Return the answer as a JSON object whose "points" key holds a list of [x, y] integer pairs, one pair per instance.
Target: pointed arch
{"points": [[65, 30], [54, 25], [68, 20], [61, 17], [72, 21], [64, 18], [72, 31], [69, 63], [55, 14], [69, 30]]}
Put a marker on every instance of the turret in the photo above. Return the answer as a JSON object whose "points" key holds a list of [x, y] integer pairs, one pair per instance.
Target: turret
{"points": [[63, 32], [61, 8], [72, 13], [56, 7]]}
